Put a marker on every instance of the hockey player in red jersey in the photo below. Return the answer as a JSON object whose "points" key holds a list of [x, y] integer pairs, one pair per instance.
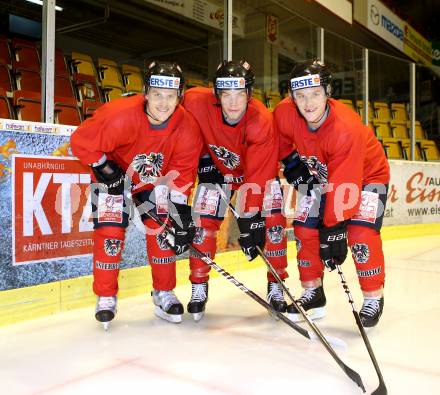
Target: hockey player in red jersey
{"points": [[240, 152], [146, 146], [342, 173]]}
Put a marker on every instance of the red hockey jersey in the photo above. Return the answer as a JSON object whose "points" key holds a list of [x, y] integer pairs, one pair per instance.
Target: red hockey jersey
{"points": [[247, 151], [121, 130], [342, 153]]}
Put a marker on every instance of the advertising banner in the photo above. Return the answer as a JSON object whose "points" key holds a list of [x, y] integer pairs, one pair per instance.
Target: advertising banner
{"points": [[414, 193], [45, 232], [380, 20], [272, 29], [416, 46], [385, 24], [51, 209], [436, 53], [203, 11]]}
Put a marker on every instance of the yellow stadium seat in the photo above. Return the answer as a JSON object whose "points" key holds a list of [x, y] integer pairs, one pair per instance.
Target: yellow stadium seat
{"points": [[132, 78], [406, 146], [398, 111], [348, 103], [109, 73], [430, 150], [259, 95], [399, 129], [420, 133], [360, 109], [112, 92], [382, 111], [382, 129], [192, 82], [272, 99], [392, 147], [83, 64]]}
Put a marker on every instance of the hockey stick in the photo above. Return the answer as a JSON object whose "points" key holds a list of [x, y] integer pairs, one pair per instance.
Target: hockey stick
{"points": [[352, 374], [241, 286], [382, 389]]}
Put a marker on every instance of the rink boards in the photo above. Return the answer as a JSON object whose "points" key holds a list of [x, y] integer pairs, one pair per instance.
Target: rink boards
{"points": [[46, 233]]}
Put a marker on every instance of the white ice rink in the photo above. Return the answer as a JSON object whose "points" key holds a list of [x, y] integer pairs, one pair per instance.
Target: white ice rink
{"points": [[237, 349]]}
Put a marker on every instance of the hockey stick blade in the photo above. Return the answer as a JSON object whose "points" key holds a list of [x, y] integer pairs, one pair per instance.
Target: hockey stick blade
{"points": [[334, 341], [354, 376], [381, 389]]}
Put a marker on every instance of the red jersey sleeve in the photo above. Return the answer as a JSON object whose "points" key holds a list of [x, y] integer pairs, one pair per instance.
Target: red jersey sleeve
{"points": [[104, 131], [185, 158], [346, 156]]}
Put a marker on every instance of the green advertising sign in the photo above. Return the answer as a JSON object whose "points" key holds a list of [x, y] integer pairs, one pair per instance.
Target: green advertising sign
{"points": [[436, 53]]}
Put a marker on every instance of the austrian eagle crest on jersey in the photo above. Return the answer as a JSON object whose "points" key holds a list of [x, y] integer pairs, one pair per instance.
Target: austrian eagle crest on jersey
{"points": [[230, 159], [318, 169], [112, 247], [298, 244], [199, 236], [361, 252], [148, 167], [161, 239], [275, 234]]}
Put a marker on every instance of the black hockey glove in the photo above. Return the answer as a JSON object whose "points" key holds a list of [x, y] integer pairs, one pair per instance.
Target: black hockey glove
{"points": [[184, 228], [111, 175], [252, 234], [208, 172], [297, 172], [333, 244]]}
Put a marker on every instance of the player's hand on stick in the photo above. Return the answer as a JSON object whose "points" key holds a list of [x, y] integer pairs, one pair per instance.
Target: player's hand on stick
{"points": [[333, 244], [297, 173], [111, 176], [184, 228], [252, 234]]}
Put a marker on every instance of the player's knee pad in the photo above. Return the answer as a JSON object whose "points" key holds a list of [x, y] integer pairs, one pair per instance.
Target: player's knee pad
{"points": [[276, 244], [161, 256], [108, 243], [307, 253], [366, 248], [205, 241]]}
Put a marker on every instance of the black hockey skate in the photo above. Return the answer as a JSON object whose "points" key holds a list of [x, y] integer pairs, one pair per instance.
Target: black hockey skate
{"points": [[199, 297], [105, 310], [275, 297], [371, 311], [167, 306], [313, 301]]}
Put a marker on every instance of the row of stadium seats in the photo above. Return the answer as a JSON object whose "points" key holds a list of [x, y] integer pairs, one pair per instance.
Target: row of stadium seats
{"points": [[76, 81], [79, 78], [392, 127]]}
